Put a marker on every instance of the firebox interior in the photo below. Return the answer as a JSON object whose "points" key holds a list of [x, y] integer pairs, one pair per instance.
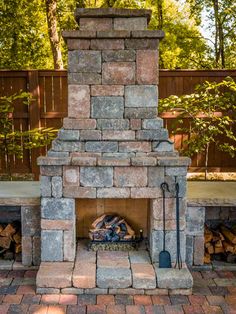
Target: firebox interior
{"points": [[134, 211]]}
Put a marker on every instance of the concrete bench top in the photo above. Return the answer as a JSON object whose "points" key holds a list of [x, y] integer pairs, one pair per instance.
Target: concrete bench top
{"points": [[199, 193], [19, 193], [209, 193]]}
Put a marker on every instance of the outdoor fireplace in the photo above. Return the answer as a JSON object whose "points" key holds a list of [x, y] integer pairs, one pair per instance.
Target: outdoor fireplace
{"points": [[112, 147]]}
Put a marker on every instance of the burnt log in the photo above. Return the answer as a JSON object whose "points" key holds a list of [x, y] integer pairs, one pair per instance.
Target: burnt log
{"points": [[111, 228]]}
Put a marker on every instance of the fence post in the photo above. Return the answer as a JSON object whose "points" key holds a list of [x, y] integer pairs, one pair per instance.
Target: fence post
{"points": [[34, 115]]}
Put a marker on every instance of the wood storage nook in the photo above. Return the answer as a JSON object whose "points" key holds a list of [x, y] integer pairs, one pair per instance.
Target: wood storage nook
{"points": [[220, 241], [10, 240]]}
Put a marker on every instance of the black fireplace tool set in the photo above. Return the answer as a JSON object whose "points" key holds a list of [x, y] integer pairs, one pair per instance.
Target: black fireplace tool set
{"points": [[164, 256]]}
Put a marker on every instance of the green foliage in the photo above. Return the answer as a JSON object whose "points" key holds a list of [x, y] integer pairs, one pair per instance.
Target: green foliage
{"points": [[24, 35], [25, 43], [221, 19], [13, 142], [212, 112], [183, 46]]}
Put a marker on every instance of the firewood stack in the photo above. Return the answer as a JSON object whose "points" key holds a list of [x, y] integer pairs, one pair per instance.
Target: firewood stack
{"points": [[10, 240], [221, 241], [111, 228]]}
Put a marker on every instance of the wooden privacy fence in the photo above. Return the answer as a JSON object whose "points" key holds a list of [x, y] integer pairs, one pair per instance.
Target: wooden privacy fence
{"points": [[49, 107]]}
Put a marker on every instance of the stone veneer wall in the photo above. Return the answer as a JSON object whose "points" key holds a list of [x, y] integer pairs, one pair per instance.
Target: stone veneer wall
{"points": [[112, 144]]}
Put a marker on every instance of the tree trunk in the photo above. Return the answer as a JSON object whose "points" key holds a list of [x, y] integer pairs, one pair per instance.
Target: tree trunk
{"points": [[206, 159], [160, 26], [221, 45], [160, 13], [216, 18], [51, 8]]}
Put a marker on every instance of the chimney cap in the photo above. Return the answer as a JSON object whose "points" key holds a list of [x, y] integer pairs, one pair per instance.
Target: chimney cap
{"points": [[111, 12]]}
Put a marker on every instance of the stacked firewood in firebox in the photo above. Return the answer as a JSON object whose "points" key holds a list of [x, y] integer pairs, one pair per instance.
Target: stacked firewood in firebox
{"points": [[220, 241], [10, 240], [111, 228]]}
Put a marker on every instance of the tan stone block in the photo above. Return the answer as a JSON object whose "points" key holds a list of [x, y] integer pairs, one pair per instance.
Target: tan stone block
{"points": [[69, 244], [120, 73], [84, 161], [98, 24], [79, 192], [156, 206], [85, 256], [180, 291], [85, 154], [113, 193], [113, 34], [141, 43], [50, 170], [113, 263], [170, 224], [127, 147], [130, 176], [131, 23], [135, 124], [198, 250], [113, 161], [156, 291], [147, 66], [79, 124], [90, 135], [148, 34], [107, 90], [112, 254], [84, 275], [36, 251], [78, 101], [81, 34], [78, 44], [143, 161], [145, 192], [107, 44], [54, 275], [84, 78], [70, 175], [118, 135], [27, 250], [49, 224], [143, 276], [129, 291]]}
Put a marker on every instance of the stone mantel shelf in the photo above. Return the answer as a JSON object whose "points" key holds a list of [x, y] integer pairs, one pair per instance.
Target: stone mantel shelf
{"points": [[111, 12], [80, 34], [199, 193]]}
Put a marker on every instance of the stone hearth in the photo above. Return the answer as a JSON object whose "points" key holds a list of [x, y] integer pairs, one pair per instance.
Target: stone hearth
{"points": [[111, 272], [112, 146]]}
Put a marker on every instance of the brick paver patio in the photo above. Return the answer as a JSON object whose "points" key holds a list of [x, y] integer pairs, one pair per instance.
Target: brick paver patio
{"points": [[213, 292]]}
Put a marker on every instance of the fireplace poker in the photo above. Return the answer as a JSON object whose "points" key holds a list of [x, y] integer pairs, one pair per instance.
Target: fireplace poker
{"points": [[178, 254], [164, 256]]}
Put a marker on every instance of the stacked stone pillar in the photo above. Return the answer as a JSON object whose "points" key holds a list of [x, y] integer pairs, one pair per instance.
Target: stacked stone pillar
{"points": [[112, 144]]}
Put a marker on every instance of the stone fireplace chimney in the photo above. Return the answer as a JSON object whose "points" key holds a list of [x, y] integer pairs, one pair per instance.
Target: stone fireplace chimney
{"points": [[112, 144]]}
